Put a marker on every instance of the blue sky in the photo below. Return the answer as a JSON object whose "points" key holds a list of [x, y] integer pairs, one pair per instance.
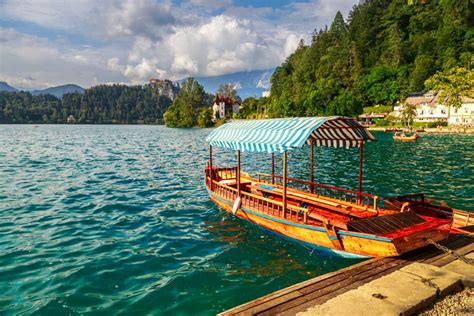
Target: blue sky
{"points": [[88, 42]]}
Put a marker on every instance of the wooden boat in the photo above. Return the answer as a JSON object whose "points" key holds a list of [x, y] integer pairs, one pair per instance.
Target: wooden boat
{"points": [[405, 138], [324, 218], [463, 221], [393, 129]]}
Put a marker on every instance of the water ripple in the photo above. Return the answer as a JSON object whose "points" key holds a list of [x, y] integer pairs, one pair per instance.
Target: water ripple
{"points": [[115, 219]]}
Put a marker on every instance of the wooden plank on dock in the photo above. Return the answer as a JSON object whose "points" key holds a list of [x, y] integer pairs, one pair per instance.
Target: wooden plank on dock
{"points": [[319, 290]]}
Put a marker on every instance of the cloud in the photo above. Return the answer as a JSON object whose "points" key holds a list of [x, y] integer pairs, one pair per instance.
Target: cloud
{"points": [[133, 40], [212, 3], [222, 45], [106, 19], [24, 57]]}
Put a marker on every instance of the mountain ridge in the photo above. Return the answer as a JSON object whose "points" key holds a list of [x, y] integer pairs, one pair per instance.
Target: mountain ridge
{"points": [[59, 91], [6, 87]]}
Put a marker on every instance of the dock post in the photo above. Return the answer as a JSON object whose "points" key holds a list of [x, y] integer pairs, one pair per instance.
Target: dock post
{"points": [[361, 154], [210, 164], [284, 184], [311, 166], [238, 172], [273, 168]]}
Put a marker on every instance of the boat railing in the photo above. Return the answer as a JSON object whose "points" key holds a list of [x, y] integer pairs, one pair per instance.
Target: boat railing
{"points": [[220, 173], [261, 204], [322, 190]]}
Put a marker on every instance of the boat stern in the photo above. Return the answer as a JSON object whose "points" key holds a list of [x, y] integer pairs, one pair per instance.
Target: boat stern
{"points": [[418, 237]]}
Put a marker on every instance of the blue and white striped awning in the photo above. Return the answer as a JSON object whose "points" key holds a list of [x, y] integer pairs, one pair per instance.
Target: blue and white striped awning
{"points": [[279, 135]]}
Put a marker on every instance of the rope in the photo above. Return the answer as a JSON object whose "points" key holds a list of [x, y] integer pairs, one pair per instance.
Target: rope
{"points": [[451, 252]]}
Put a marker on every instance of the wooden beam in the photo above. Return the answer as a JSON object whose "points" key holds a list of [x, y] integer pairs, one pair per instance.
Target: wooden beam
{"points": [[210, 164], [210, 156], [273, 168], [361, 157], [284, 183], [311, 165], [238, 172]]}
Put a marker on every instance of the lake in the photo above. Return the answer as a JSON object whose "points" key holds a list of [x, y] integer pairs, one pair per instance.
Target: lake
{"points": [[116, 219]]}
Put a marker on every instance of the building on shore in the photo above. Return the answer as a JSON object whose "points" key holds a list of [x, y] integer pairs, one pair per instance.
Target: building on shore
{"points": [[71, 119], [463, 115], [429, 109], [223, 107], [368, 119]]}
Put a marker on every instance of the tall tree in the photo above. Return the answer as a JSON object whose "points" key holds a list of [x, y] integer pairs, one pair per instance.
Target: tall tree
{"points": [[228, 90], [187, 104], [453, 85]]}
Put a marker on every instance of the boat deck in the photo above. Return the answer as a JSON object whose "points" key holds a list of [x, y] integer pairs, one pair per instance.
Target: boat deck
{"points": [[316, 291]]}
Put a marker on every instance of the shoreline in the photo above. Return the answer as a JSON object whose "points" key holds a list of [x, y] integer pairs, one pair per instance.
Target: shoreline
{"points": [[442, 130]]}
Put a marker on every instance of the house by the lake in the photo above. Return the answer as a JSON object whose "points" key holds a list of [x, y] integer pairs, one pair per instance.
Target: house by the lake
{"points": [[427, 107], [463, 115], [430, 109], [224, 107]]}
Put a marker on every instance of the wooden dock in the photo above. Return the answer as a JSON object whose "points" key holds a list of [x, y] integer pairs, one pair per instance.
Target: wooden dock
{"points": [[316, 291]]}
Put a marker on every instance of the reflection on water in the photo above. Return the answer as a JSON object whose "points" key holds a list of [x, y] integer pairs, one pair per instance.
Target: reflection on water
{"points": [[116, 219]]}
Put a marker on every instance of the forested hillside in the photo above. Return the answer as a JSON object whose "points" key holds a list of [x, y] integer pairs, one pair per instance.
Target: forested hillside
{"points": [[102, 104], [386, 49]]}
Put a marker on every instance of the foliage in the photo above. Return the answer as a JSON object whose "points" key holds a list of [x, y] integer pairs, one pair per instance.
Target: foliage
{"points": [[103, 104], [190, 100], [378, 109], [382, 123], [205, 118], [408, 114], [228, 90], [220, 122], [453, 85], [252, 108], [384, 51]]}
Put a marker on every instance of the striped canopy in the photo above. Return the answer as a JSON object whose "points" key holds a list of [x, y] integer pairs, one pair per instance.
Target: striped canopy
{"points": [[279, 135]]}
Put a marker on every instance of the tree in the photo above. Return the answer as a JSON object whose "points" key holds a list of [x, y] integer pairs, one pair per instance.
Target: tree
{"points": [[408, 114], [386, 50], [186, 106], [228, 90], [452, 85], [205, 118]]}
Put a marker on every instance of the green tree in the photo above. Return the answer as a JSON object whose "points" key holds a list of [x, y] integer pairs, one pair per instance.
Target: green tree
{"points": [[453, 85], [186, 106], [408, 114], [205, 118]]}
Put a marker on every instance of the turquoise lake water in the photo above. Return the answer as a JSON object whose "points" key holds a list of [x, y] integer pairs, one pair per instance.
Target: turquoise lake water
{"points": [[116, 219]]}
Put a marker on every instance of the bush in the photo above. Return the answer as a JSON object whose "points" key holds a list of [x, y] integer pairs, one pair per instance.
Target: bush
{"points": [[378, 109], [382, 123]]}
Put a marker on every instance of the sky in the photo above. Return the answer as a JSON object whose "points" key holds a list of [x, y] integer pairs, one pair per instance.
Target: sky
{"points": [[45, 43]]}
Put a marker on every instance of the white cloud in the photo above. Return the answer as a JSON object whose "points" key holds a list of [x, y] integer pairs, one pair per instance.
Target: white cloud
{"points": [[32, 62], [133, 40], [222, 45], [105, 19]]}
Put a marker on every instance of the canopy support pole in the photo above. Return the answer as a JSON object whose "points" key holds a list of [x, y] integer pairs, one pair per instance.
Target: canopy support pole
{"points": [[273, 168], [284, 184], [361, 154], [311, 166], [238, 172], [210, 165]]}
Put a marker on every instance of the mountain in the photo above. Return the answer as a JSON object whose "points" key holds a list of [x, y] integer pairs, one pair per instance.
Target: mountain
{"points": [[5, 87], [59, 90], [247, 83]]}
